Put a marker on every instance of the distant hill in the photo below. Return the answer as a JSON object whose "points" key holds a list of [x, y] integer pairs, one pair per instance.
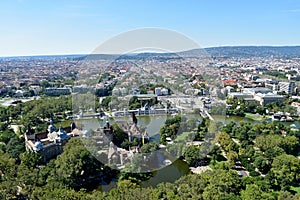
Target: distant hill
{"points": [[42, 57], [235, 51], [255, 51], [226, 52]]}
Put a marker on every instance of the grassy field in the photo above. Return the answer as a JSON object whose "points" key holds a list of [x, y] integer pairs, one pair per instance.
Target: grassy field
{"points": [[183, 136], [256, 117], [296, 189], [64, 124]]}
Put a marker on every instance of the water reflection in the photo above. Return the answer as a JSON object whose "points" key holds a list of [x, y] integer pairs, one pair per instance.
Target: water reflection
{"points": [[170, 173], [153, 124]]}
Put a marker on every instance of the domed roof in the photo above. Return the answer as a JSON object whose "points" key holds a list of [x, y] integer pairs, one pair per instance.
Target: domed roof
{"points": [[51, 127], [61, 134], [38, 145]]}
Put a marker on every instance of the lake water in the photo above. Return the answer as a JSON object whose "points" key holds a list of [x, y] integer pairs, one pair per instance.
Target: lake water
{"points": [[170, 173], [153, 124]]}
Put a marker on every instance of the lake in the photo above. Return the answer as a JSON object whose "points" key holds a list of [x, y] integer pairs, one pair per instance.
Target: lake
{"points": [[170, 173], [153, 123]]}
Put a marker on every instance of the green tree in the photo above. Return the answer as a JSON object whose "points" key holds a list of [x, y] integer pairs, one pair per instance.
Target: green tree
{"points": [[192, 155], [271, 153], [221, 183], [170, 129], [290, 145], [192, 186], [77, 167], [15, 147], [134, 103], [150, 147], [252, 192], [7, 166], [226, 142], [285, 195], [60, 194], [228, 128], [6, 135], [30, 159], [216, 154], [232, 158], [106, 103], [119, 135], [267, 142], [262, 164], [286, 169]]}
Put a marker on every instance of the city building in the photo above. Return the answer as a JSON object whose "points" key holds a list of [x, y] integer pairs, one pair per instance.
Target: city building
{"points": [[19, 93], [165, 91], [57, 91], [240, 95], [158, 91], [297, 106], [123, 91], [150, 92], [119, 91], [49, 144], [272, 86], [120, 156], [287, 87], [253, 91], [264, 99], [115, 92]]}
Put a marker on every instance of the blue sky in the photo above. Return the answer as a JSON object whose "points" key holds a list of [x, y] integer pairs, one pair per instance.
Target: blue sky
{"points": [[37, 27]]}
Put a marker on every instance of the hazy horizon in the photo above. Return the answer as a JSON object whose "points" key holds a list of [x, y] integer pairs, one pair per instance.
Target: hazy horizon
{"points": [[135, 53]]}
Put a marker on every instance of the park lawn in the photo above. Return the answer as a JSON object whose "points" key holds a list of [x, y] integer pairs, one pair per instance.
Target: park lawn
{"points": [[64, 124], [296, 189], [183, 136], [256, 117]]}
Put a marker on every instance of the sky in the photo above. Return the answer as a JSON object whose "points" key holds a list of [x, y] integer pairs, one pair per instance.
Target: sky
{"points": [[52, 27]]}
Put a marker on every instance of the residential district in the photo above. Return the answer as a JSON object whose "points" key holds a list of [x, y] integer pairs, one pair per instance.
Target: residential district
{"points": [[232, 113]]}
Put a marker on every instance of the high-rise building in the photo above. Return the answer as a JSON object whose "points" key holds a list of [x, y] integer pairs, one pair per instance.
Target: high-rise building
{"points": [[287, 87]]}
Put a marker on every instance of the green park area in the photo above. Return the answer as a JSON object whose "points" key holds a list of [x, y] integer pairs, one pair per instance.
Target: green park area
{"points": [[256, 117], [185, 136]]}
